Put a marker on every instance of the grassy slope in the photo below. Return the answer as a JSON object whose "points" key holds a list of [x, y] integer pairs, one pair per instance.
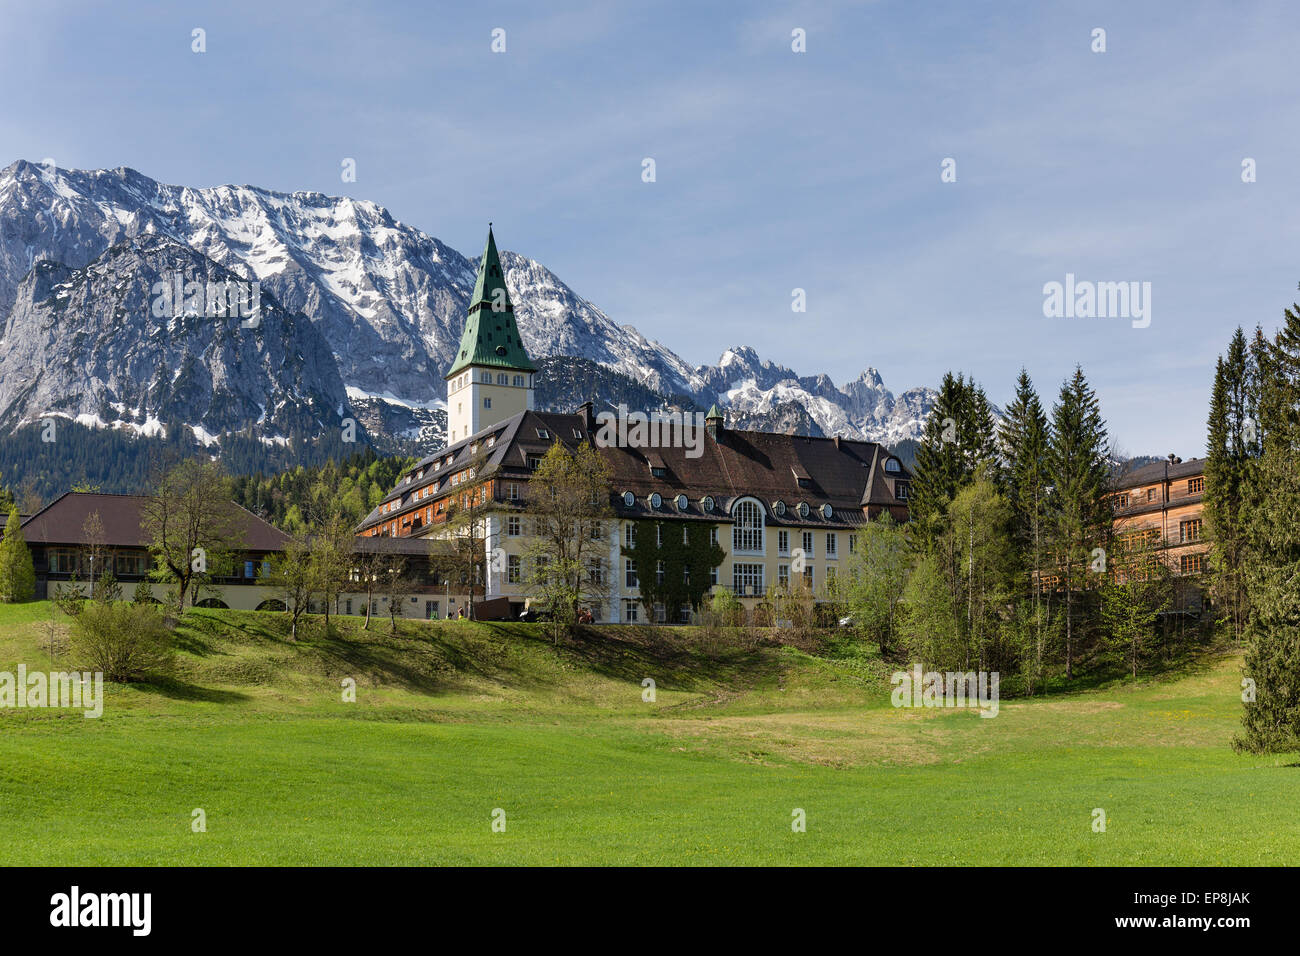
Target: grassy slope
{"points": [[454, 719]]}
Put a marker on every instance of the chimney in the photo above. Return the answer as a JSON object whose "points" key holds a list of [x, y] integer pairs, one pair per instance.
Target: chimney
{"points": [[588, 412]]}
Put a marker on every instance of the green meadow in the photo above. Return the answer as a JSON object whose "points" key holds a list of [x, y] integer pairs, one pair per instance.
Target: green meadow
{"points": [[455, 722]]}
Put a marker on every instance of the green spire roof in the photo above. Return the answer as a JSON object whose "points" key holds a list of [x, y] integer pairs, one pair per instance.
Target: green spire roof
{"points": [[713, 412], [491, 337]]}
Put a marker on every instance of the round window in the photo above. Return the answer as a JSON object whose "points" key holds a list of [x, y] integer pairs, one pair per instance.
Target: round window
{"points": [[707, 503], [629, 499], [656, 500], [803, 509], [681, 502], [827, 511], [779, 507]]}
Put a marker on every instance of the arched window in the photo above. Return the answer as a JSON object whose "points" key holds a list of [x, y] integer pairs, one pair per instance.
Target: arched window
{"points": [[747, 527]]}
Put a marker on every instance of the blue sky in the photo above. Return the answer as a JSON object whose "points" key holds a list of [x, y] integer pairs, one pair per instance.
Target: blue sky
{"points": [[775, 170]]}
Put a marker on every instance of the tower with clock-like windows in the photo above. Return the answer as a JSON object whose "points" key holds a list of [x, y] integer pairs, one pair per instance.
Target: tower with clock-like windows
{"points": [[492, 376]]}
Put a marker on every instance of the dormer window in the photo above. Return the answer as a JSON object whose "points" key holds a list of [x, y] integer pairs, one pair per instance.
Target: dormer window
{"points": [[543, 433], [656, 500], [682, 502], [658, 471], [779, 507], [805, 482], [827, 511], [629, 499], [893, 466], [803, 509]]}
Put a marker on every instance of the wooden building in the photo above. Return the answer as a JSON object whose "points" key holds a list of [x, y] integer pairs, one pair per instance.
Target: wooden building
{"points": [[1159, 509]]}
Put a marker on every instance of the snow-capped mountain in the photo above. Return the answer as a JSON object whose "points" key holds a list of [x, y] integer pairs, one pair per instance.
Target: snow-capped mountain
{"points": [[759, 394], [89, 345], [387, 300]]}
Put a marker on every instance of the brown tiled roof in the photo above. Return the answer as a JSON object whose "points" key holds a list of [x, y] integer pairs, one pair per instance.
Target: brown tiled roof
{"points": [[62, 521], [847, 475], [513, 440]]}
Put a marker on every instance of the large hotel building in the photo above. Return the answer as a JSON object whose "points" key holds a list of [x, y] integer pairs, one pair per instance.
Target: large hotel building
{"points": [[771, 502]]}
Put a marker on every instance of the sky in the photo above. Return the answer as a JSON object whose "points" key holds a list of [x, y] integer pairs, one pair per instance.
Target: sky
{"points": [[775, 170]]}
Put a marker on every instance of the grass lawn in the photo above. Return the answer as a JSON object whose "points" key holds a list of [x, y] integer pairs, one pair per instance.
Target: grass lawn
{"points": [[453, 720]]}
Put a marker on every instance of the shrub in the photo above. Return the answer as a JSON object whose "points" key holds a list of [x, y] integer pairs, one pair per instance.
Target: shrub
{"points": [[127, 642]]}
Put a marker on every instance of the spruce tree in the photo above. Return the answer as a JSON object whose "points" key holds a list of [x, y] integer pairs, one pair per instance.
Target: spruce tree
{"points": [[1023, 441], [1231, 450], [1271, 566], [1079, 471], [958, 438], [17, 575]]}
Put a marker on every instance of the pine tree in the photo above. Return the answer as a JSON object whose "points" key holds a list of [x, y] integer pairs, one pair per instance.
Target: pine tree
{"points": [[6, 498], [1079, 473], [17, 575], [1231, 451], [1023, 442], [1271, 566], [959, 437]]}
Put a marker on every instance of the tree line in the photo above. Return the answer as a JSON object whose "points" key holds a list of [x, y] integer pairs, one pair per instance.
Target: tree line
{"points": [[1009, 562]]}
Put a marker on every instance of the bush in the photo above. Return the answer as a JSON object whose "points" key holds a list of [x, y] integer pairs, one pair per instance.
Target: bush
{"points": [[127, 642]]}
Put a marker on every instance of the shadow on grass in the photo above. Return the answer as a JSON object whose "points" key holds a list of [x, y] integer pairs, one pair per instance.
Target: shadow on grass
{"points": [[688, 661], [180, 690]]}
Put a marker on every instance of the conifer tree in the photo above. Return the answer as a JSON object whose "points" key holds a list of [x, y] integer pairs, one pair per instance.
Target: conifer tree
{"points": [[17, 575], [1079, 472], [959, 437], [1271, 567], [1231, 451], [1023, 441]]}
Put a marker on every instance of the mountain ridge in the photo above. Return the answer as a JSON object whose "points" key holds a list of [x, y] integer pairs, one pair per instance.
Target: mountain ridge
{"points": [[388, 301]]}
